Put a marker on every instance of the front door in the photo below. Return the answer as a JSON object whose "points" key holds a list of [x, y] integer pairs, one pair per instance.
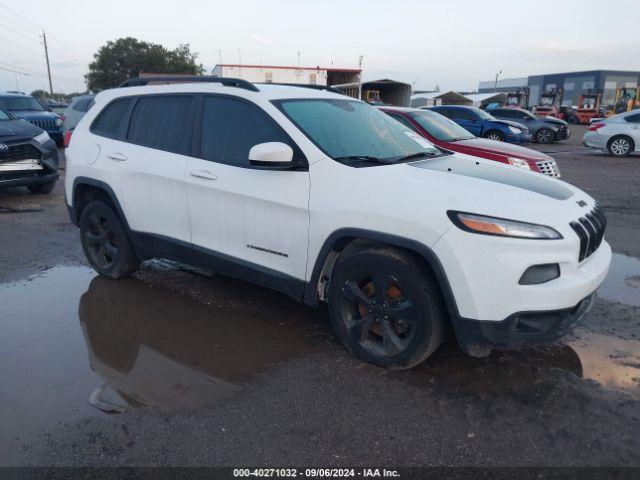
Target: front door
{"points": [[257, 218]]}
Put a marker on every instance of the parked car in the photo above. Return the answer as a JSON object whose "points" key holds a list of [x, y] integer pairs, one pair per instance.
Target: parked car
{"points": [[28, 156], [618, 135], [55, 106], [481, 124], [329, 200], [543, 129], [445, 133], [28, 108], [75, 111]]}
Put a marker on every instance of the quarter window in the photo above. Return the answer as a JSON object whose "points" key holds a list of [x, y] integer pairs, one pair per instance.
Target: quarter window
{"points": [[230, 128], [109, 121], [161, 122], [82, 105]]}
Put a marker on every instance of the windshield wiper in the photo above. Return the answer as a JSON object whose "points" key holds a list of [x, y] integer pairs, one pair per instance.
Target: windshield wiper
{"points": [[416, 155], [366, 158]]}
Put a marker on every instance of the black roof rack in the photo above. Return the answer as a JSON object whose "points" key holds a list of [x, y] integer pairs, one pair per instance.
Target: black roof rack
{"points": [[227, 82], [328, 88]]}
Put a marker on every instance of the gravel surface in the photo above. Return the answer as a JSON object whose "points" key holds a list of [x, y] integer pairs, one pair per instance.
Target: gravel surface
{"points": [[310, 403]]}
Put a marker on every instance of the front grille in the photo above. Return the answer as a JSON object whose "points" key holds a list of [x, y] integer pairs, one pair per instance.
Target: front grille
{"points": [[45, 124], [590, 230], [20, 151], [549, 167]]}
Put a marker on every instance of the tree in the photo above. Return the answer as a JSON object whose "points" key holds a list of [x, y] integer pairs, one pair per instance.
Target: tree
{"points": [[40, 94], [128, 57]]}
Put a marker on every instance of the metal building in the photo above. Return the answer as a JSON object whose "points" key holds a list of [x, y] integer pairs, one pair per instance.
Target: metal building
{"points": [[572, 84]]}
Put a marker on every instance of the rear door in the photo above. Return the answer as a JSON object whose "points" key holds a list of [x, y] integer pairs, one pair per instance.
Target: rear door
{"points": [[257, 217], [151, 164], [633, 127]]}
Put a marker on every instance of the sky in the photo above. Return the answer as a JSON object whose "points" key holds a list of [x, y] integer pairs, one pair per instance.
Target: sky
{"points": [[450, 43]]}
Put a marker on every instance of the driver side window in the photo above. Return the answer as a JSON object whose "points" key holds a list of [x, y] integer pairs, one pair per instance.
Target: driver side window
{"points": [[230, 128]]}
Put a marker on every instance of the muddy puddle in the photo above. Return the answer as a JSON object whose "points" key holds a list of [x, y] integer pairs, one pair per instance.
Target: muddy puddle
{"points": [[623, 282], [76, 344]]}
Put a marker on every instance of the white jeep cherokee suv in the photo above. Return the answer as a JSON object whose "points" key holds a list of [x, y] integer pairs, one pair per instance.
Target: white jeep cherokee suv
{"points": [[329, 200]]}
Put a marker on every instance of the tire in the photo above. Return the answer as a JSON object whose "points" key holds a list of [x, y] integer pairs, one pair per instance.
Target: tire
{"points": [[545, 135], [41, 188], [399, 325], [620, 146], [494, 135], [105, 241], [573, 120]]}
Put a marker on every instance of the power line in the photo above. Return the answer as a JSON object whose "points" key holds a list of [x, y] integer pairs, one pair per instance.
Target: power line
{"points": [[21, 45], [21, 34], [21, 17], [40, 27], [19, 26]]}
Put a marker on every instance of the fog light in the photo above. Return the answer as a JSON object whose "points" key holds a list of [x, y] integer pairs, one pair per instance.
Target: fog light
{"points": [[540, 274]]}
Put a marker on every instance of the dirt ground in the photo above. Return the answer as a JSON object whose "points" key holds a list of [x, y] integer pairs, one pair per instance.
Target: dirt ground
{"points": [[195, 368]]}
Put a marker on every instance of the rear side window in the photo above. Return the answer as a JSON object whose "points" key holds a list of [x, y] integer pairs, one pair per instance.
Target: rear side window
{"points": [[460, 114], [161, 122], [633, 118], [502, 113], [231, 127], [109, 121], [82, 105]]}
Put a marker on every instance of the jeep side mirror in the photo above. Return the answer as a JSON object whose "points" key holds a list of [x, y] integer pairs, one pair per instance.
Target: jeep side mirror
{"points": [[271, 154]]}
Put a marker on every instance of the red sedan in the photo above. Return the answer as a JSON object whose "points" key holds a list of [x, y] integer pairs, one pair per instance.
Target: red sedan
{"points": [[447, 134]]}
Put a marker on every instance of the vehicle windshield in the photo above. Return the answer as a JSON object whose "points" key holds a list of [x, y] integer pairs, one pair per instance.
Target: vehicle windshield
{"points": [[4, 115], [352, 130], [439, 126], [482, 114], [20, 103], [546, 100]]}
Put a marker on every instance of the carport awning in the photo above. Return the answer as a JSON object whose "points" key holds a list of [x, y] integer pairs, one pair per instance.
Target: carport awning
{"points": [[479, 99]]}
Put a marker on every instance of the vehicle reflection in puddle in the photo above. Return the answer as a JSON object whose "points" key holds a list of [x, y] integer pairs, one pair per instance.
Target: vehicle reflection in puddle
{"points": [[623, 281], [163, 349], [151, 346]]}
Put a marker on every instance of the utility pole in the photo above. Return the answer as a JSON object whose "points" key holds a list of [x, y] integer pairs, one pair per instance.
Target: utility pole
{"points": [[495, 85], [298, 59], [46, 54], [360, 58]]}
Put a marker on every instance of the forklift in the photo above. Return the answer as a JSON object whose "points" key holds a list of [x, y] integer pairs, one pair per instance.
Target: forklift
{"points": [[588, 107], [627, 99], [518, 99], [549, 105]]}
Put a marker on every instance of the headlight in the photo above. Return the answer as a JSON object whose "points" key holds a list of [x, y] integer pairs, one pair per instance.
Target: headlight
{"points": [[515, 130], [502, 227], [59, 122], [42, 138], [520, 163]]}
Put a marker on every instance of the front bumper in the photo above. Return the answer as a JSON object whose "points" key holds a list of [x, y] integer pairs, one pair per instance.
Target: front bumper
{"points": [[47, 174], [484, 271], [563, 133], [518, 138], [594, 140], [522, 329]]}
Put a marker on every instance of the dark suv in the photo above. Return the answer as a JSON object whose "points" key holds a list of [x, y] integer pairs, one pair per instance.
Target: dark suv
{"points": [[543, 129], [28, 156], [27, 108]]}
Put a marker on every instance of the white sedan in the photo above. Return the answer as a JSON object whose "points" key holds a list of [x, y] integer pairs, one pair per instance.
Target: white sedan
{"points": [[619, 135]]}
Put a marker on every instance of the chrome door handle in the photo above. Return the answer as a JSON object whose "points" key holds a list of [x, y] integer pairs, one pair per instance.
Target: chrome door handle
{"points": [[119, 157], [204, 175]]}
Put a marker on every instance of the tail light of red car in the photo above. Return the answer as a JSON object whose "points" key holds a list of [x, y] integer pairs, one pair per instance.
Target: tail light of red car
{"points": [[595, 126]]}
